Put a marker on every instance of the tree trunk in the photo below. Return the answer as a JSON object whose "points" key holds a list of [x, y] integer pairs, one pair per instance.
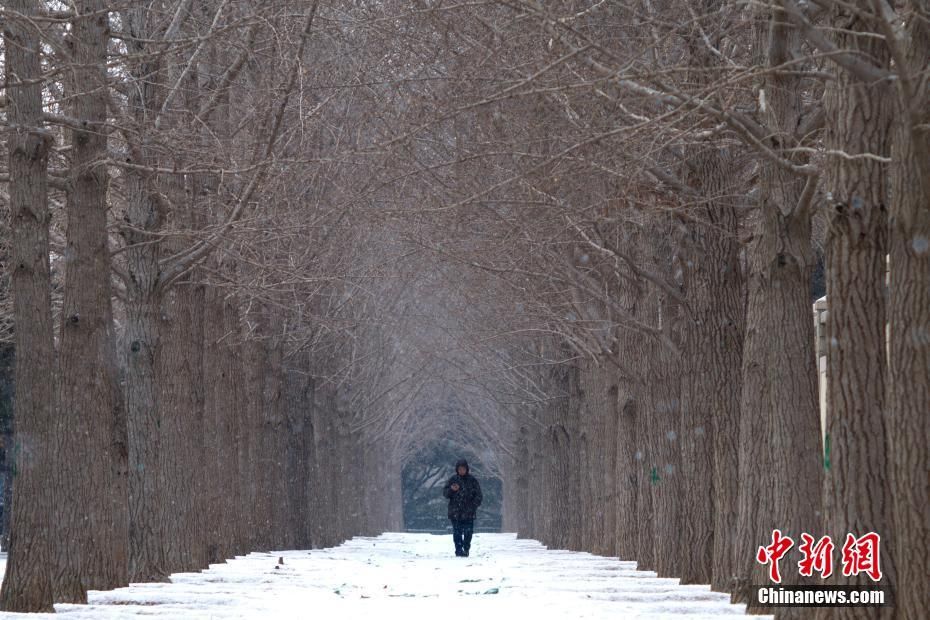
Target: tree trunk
{"points": [[599, 392], [214, 410], [273, 407], [27, 584], [255, 355], [711, 381], [727, 288], [7, 456], [295, 398], [180, 381], [180, 376], [909, 315], [755, 494], [242, 421], [520, 514], [644, 456], [630, 385], [576, 450], [779, 400], [779, 403], [626, 468], [711, 389], [665, 474], [89, 399], [143, 305], [222, 359], [857, 489]]}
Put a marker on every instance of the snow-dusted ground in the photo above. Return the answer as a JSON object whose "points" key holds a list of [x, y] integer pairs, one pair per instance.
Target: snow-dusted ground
{"points": [[412, 576]]}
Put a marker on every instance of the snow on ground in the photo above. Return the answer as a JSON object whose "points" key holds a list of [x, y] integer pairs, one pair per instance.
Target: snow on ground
{"points": [[412, 576]]}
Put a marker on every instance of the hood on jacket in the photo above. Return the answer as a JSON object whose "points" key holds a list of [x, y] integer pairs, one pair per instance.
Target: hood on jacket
{"points": [[462, 463]]}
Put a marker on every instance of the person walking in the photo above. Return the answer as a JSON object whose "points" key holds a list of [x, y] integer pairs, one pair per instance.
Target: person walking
{"points": [[464, 495]]}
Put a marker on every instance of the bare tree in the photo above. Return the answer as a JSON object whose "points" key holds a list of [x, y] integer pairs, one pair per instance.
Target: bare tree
{"points": [[27, 584], [90, 403]]}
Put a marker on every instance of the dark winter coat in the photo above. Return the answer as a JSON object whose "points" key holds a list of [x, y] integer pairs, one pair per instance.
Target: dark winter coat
{"points": [[463, 504]]}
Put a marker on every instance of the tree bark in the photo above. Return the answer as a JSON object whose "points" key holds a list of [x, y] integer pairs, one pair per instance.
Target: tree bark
{"points": [[27, 584], [626, 468], [300, 440], [255, 355], [779, 398], [630, 385], [90, 516], [243, 422], [180, 381], [665, 476], [214, 388], [644, 455], [7, 369], [274, 408], [146, 553], [143, 304], [221, 360], [857, 484], [780, 451], [909, 316], [755, 494], [710, 394], [714, 341], [727, 288]]}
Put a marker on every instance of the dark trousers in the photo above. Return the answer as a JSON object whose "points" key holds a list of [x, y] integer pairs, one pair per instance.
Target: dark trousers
{"points": [[462, 529]]}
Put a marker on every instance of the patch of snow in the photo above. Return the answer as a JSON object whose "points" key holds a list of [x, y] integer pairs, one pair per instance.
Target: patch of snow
{"points": [[412, 576]]}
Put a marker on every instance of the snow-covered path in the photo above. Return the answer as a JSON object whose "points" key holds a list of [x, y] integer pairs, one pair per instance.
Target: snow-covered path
{"points": [[413, 576]]}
